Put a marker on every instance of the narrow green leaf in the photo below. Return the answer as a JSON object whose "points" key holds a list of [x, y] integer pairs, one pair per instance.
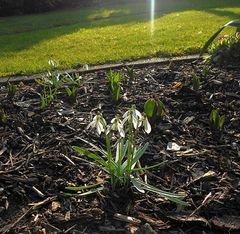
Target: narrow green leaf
{"points": [[160, 109], [170, 196], [137, 185], [90, 155], [103, 152], [214, 116], [68, 91], [221, 122], [79, 188], [139, 153], [150, 167]]}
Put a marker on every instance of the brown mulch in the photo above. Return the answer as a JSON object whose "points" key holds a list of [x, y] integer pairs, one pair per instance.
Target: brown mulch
{"points": [[37, 163]]}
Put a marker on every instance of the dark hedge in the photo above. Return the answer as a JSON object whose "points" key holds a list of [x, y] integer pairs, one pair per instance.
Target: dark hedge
{"points": [[13, 7]]}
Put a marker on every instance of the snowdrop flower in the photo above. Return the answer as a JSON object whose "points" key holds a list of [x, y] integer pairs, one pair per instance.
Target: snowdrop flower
{"points": [[52, 63], [117, 125], [99, 123], [146, 124], [134, 115]]}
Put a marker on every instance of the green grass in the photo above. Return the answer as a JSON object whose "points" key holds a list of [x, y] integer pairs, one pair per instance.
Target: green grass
{"points": [[80, 36]]}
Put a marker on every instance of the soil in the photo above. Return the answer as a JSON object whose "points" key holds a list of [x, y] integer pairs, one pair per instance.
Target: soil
{"points": [[37, 161]]}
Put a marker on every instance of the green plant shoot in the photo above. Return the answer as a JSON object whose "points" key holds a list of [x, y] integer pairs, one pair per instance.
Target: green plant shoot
{"points": [[154, 109], [47, 97], [130, 72], [217, 121], [115, 79], [196, 83], [3, 118], [12, 89], [71, 94]]}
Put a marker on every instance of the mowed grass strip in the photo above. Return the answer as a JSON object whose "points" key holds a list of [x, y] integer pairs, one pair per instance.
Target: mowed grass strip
{"points": [[90, 36]]}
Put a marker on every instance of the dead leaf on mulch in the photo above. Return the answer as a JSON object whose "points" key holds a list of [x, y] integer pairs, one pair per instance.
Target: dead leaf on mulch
{"points": [[55, 205], [133, 229], [207, 175], [154, 222]]}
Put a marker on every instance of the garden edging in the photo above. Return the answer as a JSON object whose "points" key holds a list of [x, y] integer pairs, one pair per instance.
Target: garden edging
{"points": [[137, 63]]}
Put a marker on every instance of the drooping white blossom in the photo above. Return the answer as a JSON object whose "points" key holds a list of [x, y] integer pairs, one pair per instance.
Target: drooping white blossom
{"points": [[134, 115], [98, 123], [117, 125], [146, 124]]}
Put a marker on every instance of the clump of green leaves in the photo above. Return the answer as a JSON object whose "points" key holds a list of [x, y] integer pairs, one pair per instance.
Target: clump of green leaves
{"points": [[3, 118], [120, 159], [52, 80], [48, 95], [115, 79], [216, 121], [225, 50], [154, 109], [130, 72], [71, 94], [72, 80], [196, 82], [233, 23], [12, 89]]}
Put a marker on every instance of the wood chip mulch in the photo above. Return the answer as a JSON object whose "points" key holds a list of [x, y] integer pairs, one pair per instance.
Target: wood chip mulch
{"points": [[37, 163]]}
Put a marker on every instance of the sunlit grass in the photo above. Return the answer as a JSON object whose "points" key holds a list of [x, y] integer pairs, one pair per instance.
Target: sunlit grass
{"points": [[96, 36]]}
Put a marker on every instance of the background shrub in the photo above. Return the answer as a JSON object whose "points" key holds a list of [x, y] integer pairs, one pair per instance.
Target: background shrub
{"points": [[13, 7]]}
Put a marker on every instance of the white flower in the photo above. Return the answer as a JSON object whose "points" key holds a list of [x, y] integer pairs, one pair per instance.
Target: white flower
{"points": [[134, 115], [117, 125], [146, 124], [99, 123], [52, 63]]}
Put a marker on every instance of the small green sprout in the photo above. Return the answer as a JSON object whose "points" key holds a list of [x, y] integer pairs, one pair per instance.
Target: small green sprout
{"points": [[3, 118], [71, 94], [130, 72], [12, 89], [196, 83], [47, 97], [205, 72], [115, 79], [154, 109], [216, 121]]}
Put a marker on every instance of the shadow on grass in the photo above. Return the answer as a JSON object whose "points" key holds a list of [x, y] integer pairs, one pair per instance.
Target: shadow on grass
{"points": [[230, 14], [92, 18]]}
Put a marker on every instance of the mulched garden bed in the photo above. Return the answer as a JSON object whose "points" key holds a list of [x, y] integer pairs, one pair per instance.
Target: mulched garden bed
{"points": [[37, 163]]}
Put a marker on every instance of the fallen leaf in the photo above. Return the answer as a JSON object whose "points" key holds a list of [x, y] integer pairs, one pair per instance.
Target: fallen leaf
{"points": [[177, 85], [132, 229], [55, 205]]}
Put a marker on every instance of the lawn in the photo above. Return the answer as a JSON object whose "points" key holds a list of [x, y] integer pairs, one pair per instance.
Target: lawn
{"points": [[89, 36]]}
